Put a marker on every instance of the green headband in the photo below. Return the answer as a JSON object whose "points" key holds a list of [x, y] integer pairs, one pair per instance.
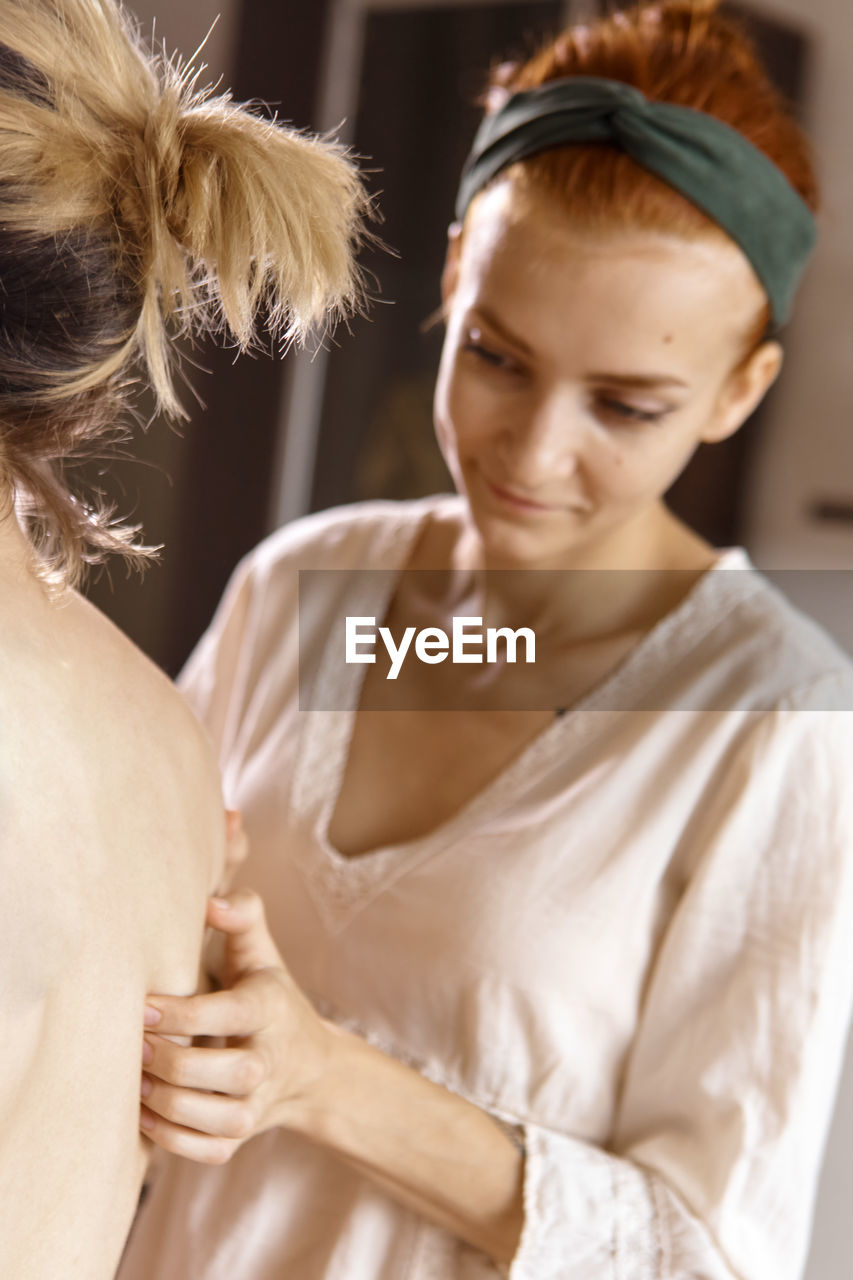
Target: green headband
{"points": [[710, 163]]}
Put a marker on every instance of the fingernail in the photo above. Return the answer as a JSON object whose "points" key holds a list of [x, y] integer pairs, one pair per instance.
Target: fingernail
{"points": [[152, 1016], [147, 1052], [146, 1120], [145, 1087], [222, 903]]}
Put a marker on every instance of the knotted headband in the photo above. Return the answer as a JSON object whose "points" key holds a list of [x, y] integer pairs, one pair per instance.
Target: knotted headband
{"points": [[709, 162]]}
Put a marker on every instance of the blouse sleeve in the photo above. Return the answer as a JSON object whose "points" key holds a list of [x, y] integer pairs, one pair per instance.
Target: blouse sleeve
{"points": [[727, 1090]]}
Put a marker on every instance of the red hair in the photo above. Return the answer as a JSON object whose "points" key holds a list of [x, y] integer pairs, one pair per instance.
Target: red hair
{"points": [[673, 51]]}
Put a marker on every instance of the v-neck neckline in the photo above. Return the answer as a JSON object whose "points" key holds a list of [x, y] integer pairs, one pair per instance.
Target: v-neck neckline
{"points": [[341, 884]]}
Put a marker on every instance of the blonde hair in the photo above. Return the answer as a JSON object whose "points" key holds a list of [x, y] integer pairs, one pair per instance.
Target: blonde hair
{"points": [[135, 206]]}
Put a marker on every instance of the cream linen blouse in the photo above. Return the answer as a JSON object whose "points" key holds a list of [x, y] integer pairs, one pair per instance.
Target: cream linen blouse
{"points": [[636, 943]]}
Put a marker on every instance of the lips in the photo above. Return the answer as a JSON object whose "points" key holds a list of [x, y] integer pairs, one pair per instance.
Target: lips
{"points": [[521, 502]]}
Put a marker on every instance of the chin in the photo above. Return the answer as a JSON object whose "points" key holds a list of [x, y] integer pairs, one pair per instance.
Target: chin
{"points": [[512, 543]]}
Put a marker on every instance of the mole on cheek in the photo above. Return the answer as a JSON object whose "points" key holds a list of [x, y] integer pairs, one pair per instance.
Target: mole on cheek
{"points": [[667, 337]]}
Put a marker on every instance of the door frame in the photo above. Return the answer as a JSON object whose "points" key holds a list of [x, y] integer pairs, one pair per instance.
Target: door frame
{"points": [[299, 419]]}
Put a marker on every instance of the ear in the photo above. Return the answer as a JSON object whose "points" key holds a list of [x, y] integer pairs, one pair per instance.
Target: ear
{"points": [[450, 274], [744, 390]]}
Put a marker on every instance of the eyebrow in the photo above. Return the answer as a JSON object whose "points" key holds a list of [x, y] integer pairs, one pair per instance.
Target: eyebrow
{"points": [[638, 379], [635, 380], [508, 336]]}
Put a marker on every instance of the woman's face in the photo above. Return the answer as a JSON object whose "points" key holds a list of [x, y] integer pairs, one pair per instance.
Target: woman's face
{"points": [[580, 371]]}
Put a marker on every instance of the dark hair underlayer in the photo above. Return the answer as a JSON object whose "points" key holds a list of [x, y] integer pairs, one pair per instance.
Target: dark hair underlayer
{"points": [[135, 206]]}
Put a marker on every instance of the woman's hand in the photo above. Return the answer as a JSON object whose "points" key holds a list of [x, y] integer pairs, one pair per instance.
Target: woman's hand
{"points": [[236, 850], [236, 853], [205, 1102], [282, 1064]]}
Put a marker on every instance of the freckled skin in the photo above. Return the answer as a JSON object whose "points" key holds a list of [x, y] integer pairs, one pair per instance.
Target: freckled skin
{"points": [[544, 324], [563, 463]]}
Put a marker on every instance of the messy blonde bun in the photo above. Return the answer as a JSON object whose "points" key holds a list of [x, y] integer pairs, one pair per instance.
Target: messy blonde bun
{"points": [[135, 206]]}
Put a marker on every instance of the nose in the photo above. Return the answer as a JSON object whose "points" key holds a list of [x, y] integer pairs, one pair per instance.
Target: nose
{"points": [[543, 443]]}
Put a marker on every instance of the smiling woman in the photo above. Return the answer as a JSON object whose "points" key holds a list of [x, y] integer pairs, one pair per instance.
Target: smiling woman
{"points": [[578, 974], [578, 375]]}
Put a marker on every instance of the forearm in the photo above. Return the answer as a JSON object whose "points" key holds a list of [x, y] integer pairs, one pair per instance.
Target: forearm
{"points": [[434, 1152], [430, 1149]]}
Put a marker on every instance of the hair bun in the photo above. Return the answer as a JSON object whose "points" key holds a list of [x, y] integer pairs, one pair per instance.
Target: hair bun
{"points": [[133, 205], [213, 210], [228, 213]]}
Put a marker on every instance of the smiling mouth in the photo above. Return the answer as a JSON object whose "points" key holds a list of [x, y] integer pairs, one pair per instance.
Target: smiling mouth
{"points": [[521, 503]]}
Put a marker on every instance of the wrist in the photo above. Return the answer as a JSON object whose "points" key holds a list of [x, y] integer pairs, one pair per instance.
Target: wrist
{"points": [[306, 1109]]}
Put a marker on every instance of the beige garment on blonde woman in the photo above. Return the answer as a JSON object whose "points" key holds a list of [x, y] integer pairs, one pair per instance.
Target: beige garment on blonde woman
{"points": [[635, 943]]}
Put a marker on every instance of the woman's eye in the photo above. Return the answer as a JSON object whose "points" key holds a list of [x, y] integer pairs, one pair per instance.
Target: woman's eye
{"points": [[630, 412], [489, 357]]}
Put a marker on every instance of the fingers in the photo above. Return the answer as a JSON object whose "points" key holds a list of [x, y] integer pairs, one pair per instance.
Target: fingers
{"points": [[211, 1113], [192, 1145], [236, 849], [241, 916], [233, 824], [196, 1102], [236, 840], [237, 912], [237, 1072], [239, 1012]]}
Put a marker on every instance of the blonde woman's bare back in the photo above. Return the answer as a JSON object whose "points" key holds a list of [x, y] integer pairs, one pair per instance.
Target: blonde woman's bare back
{"points": [[111, 837], [134, 205]]}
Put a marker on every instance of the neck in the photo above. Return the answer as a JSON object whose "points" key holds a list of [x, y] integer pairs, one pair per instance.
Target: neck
{"points": [[624, 583], [17, 562]]}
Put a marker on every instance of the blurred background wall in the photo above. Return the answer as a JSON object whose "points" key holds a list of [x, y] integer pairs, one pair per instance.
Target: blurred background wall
{"points": [[272, 439], [266, 440]]}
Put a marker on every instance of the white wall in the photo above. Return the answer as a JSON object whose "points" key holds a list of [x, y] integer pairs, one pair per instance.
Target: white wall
{"points": [[808, 452], [831, 1255]]}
